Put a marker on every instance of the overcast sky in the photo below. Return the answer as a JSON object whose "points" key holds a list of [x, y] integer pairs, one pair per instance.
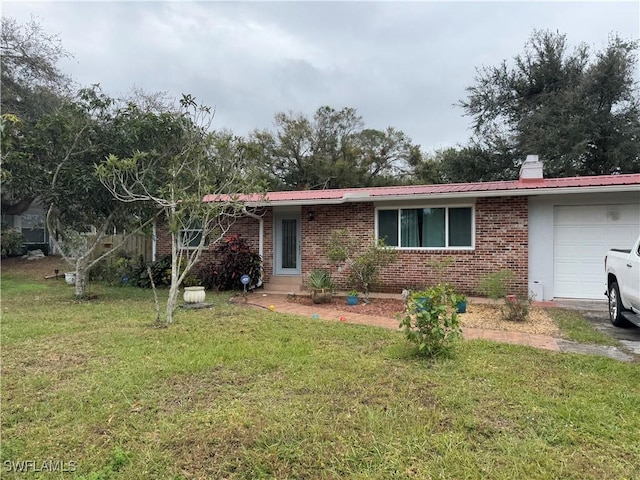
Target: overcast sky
{"points": [[400, 64]]}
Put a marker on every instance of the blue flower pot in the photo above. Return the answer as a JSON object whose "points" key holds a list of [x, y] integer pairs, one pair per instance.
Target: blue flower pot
{"points": [[352, 300], [461, 307], [422, 304]]}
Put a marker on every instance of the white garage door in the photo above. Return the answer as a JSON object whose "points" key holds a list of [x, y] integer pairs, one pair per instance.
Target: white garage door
{"points": [[582, 236]]}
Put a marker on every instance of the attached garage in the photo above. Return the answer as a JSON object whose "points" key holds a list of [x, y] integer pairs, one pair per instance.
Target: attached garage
{"points": [[569, 235], [582, 235]]}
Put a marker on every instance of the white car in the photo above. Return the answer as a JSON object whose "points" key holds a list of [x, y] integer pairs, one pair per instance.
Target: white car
{"points": [[623, 285]]}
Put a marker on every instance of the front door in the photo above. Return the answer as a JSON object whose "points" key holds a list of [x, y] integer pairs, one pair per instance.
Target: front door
{"points": [[287, 244]]}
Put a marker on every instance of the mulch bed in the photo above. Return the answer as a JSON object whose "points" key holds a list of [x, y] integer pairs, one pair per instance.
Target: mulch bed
{"points": [[478, 315]]}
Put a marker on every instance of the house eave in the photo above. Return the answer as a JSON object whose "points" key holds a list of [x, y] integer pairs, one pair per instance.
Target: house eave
{"points": [[520, 192]]}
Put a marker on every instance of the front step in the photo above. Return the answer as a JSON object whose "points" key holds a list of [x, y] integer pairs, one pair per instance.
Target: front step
{"points": [[284, 284]]}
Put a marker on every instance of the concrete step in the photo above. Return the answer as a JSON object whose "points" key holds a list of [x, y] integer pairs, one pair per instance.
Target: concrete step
{"points": [[284, 284]]}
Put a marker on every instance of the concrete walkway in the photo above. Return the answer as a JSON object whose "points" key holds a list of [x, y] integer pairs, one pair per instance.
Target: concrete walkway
{"points": [[280, 304]]}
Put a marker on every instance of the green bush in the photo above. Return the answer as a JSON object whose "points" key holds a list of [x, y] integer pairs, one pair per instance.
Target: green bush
{"points": [[320, 279], [10, 242], [496, 285], [116, 269], [235, 259], [516, 308], [364, 264], [160, 271], [432, 324]]}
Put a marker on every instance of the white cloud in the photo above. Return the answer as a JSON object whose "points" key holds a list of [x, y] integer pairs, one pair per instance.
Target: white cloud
{"points": [[400, 64]]}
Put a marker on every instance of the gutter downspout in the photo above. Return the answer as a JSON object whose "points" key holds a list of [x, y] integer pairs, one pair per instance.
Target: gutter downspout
{"points": [[260, 237]]}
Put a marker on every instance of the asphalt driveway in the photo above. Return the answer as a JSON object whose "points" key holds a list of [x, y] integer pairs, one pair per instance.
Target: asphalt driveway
{"points": [[597, 313]]}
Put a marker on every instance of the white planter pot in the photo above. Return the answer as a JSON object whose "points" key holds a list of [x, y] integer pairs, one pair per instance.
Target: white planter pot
{"points": [[194, 295], [70, 278]]}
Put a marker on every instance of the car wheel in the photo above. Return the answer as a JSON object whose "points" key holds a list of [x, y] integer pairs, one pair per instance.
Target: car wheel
{"points": [[615, 307]]}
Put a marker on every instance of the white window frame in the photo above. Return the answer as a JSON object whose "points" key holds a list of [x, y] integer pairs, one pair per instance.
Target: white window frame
{"points": [[446, 222], [183, 245]]}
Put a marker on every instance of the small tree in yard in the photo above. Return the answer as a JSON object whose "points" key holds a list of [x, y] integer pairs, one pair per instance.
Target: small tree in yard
{"points": [[364, 265], [433, 325], [176, 181]]}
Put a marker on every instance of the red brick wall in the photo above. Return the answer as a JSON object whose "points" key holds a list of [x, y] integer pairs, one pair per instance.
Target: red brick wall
{"points": [[247, 227], [501, 241]]}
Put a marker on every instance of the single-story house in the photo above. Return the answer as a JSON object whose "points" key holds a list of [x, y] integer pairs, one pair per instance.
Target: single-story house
{"points": [[552, 233], [31, 224]]}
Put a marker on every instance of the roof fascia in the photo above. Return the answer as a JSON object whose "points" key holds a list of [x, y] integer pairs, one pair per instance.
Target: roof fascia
{"points": [[524, 192]]}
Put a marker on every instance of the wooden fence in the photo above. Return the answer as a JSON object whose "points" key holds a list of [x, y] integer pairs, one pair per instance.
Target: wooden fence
{"points": [[135, 246]]}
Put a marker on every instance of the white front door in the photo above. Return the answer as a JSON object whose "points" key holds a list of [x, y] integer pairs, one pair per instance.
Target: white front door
{"points": [[287, 248]]}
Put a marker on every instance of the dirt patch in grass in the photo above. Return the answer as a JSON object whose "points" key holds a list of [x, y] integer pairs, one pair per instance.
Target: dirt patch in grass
{"points": [[52, 361], [37, 268], [478, 315]]}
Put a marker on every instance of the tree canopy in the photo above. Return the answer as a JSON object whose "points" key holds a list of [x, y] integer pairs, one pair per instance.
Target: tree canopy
{"points": [[331, 150], [579, 110], [32, 87]]}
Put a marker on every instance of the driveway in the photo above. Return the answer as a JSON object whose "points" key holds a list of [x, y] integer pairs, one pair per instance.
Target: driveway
{"points": [[597, 313]]}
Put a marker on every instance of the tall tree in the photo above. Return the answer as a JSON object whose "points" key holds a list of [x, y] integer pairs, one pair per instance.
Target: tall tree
{"points": [[331, 150], [175, 181], [32, 87], [579, 112], [73, 139]]}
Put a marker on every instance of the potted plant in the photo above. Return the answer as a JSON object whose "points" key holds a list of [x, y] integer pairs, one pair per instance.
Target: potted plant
{"points": [[461, 302], [70, 278], [352, 297], [421, 300], [321, 286], [193, 291]]}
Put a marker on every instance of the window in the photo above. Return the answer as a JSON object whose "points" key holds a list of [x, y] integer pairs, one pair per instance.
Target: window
{"points": [[33, 230], [430, 227], [190, 237]]}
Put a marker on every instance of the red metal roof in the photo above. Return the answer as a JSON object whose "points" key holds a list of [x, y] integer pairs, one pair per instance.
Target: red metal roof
{"points": [[511, 187]]}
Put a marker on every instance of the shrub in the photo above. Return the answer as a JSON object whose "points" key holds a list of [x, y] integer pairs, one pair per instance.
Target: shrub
{"points": [[10, 242], [320, 279], [117, 269], [364, 266], [235, 259], [432, 325], [160, 271], [496, 285], [516, 308]]}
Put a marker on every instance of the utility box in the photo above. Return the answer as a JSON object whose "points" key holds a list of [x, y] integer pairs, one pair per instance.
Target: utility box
{"points": [[536, 291]]}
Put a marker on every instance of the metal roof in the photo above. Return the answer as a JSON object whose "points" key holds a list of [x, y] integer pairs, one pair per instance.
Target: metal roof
{"points": [[600, 183]]}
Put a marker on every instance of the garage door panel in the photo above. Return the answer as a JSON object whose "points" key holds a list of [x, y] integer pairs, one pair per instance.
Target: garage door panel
{"points": [[566, 236], [590, 236], [591, 216], [582, 236], [589, 252], [567, 252], [621, 236], [622, 216]]}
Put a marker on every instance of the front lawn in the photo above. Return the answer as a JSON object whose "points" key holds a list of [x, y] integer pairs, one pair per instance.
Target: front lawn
{"points": [[240, 393]]}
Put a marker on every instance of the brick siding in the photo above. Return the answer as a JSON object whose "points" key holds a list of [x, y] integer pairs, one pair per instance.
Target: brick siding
{"points": [[501, 241]]}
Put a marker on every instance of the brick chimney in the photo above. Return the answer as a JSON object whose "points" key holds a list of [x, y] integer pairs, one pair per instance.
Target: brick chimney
{"points": [[531, 169]]}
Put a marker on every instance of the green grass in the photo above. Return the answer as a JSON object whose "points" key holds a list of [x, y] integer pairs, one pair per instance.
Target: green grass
{"points": [[576, 328], [240, 393]]}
